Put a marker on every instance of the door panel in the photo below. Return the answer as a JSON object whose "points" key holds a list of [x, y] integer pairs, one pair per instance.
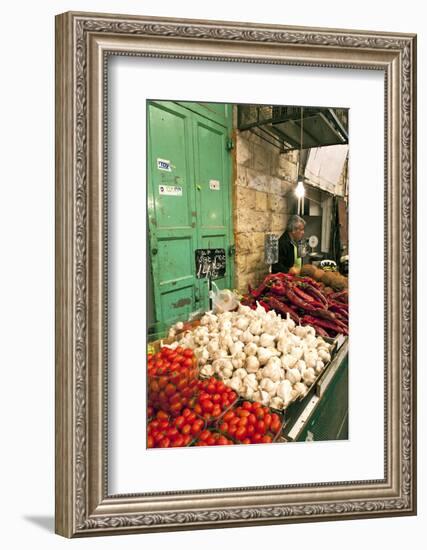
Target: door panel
{"points": [[213, 195], [171, 210], [187, 152]]}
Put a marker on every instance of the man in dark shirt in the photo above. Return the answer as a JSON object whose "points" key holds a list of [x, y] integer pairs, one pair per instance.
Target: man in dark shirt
{"points": [[288, 246]]}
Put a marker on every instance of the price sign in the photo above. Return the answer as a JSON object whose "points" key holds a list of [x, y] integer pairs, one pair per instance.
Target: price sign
{"points": [[210, 263]]}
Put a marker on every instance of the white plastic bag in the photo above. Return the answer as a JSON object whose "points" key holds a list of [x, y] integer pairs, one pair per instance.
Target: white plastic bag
{"points": [[222, 300]]}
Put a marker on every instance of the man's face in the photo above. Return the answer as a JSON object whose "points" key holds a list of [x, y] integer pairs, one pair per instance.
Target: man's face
{"points": [[298, 233]]}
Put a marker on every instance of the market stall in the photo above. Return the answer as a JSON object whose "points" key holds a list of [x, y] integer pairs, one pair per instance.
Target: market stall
{"points": [[268, 366]]}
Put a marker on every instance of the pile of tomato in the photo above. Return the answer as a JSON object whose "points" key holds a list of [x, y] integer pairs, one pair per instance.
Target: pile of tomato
{"points": [[183, 410], [164, 431], [213, 398], [251, 423], [172, 380], [209, 438]]}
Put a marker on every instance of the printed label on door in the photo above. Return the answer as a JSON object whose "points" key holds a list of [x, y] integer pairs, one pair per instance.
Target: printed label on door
{"points": [[214, 185], [173, 190], [163, 164]]}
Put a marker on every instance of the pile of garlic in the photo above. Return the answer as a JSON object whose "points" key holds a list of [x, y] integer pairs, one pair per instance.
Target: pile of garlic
{"points": [[260, 355]]}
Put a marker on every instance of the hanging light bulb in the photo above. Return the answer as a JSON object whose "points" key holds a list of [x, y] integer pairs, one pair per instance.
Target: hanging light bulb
{"points": [[299, 190]]}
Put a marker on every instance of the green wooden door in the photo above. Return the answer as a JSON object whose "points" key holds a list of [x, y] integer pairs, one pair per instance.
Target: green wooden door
{"points": [[189, 202]]}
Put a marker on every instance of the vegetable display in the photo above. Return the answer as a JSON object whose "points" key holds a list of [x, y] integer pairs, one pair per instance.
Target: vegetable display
{"points": [[172, 379], [164, 432], [258, 354], [251, 423], [303, 300]]}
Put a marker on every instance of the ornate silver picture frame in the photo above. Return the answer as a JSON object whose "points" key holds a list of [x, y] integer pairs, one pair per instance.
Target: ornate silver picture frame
{"points": [[84, 42]]}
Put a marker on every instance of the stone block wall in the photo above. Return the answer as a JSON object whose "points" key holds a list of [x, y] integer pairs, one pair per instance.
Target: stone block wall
{"points": [[263, 180]]}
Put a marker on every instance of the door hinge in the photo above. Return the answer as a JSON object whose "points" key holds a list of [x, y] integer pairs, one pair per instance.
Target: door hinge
{"points": [[229, 145]]}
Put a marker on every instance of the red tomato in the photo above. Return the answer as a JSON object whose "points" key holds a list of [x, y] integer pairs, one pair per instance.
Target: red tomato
{"points": [[252, 419], [216, 398], [267, 421], [234, 420], [222, 440], [256, 438], [197, 426], [210, 440], [247, 405], [201, 444], [172, 432], [275, 426], [186, 429], [150, 442], [266, 439], [158, 436], [187, 439], [232, 429], [216, 411], [207, 405], [204, 435], [229, 415], [187, 362], [198, 408], [186, 412], [250, 429], [223, 427], [241, 433], [260, 414], [179, 421], [178, 441], [246, 441], [256, 405], [260, 427], [188, 352], [170, 390]]}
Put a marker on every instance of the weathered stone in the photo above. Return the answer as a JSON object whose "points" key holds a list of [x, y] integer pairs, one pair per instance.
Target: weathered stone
{"points": [[242, 179], [245, 198], [260, 201], [261, 158], [241, 263], [276, 203], [288, 170], [243, 243], [243, 151], [247, 221], [258, 240], [256, 180], [254, 260], [278, 222]]}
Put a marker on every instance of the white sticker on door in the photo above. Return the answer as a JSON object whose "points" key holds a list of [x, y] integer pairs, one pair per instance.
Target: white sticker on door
{"points": [[214, 185], [172, 190], [163, 164]]}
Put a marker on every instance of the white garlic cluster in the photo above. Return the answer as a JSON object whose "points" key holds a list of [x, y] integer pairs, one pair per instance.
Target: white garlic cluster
{"points": [[258, 354]]}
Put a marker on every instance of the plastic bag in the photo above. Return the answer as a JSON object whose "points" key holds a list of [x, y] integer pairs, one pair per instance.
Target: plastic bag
{"points": [[223, 300]]}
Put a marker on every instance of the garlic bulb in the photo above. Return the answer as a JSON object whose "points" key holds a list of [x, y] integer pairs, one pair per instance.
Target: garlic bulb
{"points": [[309, 376], [301, 388], [251, 381], [319, 366], [269, 386], [236, 383], [252, 364], [263, 355], [256, 327], [241, 373], [293, 375], [266, 340], [284, 391], [310, 359], [288, 361], [250, 349], [207, 370], [246, 337], [324, 356], [273, 369], [226, 373], [277, 403]]}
